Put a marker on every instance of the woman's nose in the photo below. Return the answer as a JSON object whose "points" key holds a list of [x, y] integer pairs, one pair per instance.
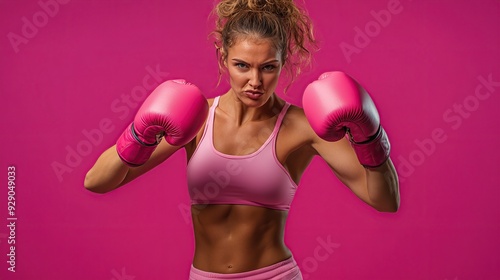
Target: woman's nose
{"points": [[255, 80]]}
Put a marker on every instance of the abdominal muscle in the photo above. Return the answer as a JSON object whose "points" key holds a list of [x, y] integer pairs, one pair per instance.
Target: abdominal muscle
{"points": [[238, 238]]}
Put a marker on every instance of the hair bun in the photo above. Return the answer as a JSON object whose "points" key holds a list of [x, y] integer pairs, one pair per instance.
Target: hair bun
{"points": [[281, 8], [278, 7]]}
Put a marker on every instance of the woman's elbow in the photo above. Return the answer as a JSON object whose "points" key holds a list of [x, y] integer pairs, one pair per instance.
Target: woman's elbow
{"points": [[91, 184], [391, 207]]}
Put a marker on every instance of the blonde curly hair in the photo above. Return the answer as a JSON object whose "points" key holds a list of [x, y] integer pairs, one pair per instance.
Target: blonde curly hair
{"points": [[283, 22]]}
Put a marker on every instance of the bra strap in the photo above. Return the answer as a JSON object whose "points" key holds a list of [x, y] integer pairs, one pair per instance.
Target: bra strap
{"points": [[281, 116]]}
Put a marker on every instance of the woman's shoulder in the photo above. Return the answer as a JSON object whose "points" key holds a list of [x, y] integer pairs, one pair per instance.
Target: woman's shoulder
{"points": [[295, 113], [210, 101], [296, 119]]}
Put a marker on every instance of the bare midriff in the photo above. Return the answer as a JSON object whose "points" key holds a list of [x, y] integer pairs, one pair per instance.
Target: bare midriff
{"points": [[238, 238]]}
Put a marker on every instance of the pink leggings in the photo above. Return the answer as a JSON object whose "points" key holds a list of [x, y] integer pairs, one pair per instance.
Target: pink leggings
{"points": [[284, 270]]}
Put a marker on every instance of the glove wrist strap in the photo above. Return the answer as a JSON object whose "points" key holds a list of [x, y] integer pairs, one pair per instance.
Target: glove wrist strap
{"points": [[134, 134], [132, 150], [373, 152]]}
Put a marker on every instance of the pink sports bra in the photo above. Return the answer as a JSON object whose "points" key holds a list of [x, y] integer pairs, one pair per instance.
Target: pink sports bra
{"points": [[256, 179]]}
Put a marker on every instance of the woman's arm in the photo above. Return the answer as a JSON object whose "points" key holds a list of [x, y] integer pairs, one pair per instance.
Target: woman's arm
{"points": [[378, 187], [174, 111], [336, 104], [110, 172]]}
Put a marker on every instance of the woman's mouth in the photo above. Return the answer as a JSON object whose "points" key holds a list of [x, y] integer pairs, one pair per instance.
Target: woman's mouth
{"points": [[252, 94]]}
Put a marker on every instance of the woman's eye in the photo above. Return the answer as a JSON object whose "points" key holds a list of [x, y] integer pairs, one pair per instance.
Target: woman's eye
{"points": [[269, 67], [240, 65]]}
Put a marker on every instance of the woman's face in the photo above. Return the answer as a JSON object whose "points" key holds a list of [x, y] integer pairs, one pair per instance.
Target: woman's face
{"points": [[254, 68]]}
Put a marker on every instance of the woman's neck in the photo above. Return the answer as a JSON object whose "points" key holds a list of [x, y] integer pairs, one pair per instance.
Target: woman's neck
{"points": [[242, 113]]}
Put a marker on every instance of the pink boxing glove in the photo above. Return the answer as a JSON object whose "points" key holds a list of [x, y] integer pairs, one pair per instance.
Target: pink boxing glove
{"points": [[175, 109], [336, 104]]}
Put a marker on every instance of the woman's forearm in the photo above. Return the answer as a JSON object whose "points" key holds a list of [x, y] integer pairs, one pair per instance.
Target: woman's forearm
{"points": [[107, 174], [383, 187]]}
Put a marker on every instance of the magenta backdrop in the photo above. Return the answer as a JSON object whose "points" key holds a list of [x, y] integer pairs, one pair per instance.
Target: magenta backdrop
{"points": [[73, 73]]}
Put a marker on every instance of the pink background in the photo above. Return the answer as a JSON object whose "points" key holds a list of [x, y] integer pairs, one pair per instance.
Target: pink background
{"points": [[75, 71]]}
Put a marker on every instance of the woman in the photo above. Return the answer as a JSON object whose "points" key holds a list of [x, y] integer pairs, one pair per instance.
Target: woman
{"points": [[241, 186]]}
